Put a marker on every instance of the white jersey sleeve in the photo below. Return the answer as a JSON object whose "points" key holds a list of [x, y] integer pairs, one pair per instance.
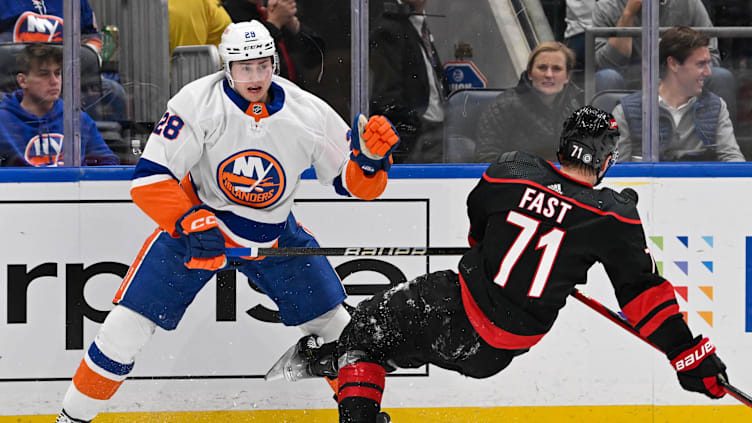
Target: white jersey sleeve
{"points": [[177, 141]]}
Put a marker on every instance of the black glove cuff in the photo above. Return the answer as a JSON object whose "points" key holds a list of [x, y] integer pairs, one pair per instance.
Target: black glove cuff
{"points": [[684, 347]]}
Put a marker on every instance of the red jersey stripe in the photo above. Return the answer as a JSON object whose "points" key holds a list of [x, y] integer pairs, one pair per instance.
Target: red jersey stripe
{"points": [[552, 192], [492, 334], [362, 372], [656, 321], [644, 303], [359, 391]]}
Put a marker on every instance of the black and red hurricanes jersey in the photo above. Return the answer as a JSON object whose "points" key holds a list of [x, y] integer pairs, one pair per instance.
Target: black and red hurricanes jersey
{"points": [[535, 233]]}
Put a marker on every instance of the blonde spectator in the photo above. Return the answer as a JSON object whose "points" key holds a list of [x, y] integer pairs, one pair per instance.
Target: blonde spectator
{"points": [[529, 117]]}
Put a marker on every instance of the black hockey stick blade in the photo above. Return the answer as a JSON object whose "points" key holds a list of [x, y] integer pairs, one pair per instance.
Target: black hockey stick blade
{"points": [[619, 320]]}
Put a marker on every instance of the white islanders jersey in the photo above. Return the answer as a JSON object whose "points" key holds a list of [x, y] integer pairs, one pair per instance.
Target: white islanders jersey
{"points": [[245, 159]]}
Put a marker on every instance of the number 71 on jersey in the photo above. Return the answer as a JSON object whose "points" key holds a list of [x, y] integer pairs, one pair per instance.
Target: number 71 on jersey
{"points": [[550, 242]]}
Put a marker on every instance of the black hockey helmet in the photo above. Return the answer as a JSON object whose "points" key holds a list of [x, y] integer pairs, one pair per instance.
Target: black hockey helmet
{"points": [[589, 137]]}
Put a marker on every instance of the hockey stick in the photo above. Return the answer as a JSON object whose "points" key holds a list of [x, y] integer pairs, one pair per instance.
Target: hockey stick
{"points": [[345, 251], [619, 320], [239, 256]]}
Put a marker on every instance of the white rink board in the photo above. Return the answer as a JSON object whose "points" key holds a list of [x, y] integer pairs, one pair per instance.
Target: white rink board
{"points": [[215, 365]]}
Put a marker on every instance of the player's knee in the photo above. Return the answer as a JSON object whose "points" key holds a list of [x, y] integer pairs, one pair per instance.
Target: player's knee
{"points": [[123, 334], [329, 325]]}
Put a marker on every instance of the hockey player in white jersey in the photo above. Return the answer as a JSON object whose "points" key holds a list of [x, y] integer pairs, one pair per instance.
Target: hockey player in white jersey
{"points": [[221, 169]]}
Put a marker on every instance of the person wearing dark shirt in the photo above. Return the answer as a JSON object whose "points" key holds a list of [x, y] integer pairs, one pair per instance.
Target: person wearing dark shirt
{"points": [[300, 49], [535, 231], [409, 85], [31, 119], [529, 116]]}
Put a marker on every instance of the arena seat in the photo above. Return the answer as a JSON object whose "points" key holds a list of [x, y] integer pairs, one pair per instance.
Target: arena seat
{"points": [[90, 68], [608, 99], [464, 108], [189, 63]]}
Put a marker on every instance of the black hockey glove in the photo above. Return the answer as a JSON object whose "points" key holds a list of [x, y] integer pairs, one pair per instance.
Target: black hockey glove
{"points": [[698, 367]]}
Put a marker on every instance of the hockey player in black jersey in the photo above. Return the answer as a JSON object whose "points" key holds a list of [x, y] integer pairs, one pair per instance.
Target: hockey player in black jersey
{"points": [[535, 231]]}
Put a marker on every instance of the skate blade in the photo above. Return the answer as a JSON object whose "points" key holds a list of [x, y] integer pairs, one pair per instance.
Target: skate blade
{"points": [[278, 369]]}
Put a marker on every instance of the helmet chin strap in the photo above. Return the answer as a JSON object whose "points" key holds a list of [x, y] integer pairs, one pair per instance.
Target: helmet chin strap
{"points": [[606, 166], [228, 76]]}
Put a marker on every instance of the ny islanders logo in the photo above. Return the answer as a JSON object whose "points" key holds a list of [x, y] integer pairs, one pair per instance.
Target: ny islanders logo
{"points": [[253, 178], [45, 150], [32, 26]]}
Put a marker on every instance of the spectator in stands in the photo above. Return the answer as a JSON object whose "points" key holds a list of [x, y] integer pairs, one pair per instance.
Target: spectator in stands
{"points": [[579, 16], [31, 119], [301, 51], [33, 21], [694, 123], [619, 58], [42, 21], [529, 117], [408, 81], [196, 22]]}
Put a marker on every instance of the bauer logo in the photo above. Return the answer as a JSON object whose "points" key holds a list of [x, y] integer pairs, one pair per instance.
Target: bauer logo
{"points": [[253, 178]]}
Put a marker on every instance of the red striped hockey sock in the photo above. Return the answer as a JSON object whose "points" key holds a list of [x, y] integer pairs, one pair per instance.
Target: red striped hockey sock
{"points": [[360, 388]]}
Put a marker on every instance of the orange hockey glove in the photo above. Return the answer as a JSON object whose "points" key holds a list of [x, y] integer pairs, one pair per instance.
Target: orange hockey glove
{"points": [[372, 142], [204, 242]]}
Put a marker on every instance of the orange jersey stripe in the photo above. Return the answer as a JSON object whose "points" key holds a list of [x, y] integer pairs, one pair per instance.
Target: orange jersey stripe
{"points": [[94, 385], [189, 191], [363, 186], [163, 201], [136, 263]]}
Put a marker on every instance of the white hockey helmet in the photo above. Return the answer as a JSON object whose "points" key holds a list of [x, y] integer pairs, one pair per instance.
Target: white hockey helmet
{"points": [[244, 41]]}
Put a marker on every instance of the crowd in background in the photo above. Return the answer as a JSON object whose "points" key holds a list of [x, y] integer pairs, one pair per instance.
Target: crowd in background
{"points": [[408, 81]]}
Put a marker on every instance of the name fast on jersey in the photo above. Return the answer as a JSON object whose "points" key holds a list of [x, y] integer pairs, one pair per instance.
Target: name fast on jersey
{"points": [[544, 204]]}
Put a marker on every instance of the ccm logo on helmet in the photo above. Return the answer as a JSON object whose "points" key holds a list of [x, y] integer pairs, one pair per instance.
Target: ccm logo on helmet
{"points": [[612, 124], [694, 356], [204, 221], [252, 178]]}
